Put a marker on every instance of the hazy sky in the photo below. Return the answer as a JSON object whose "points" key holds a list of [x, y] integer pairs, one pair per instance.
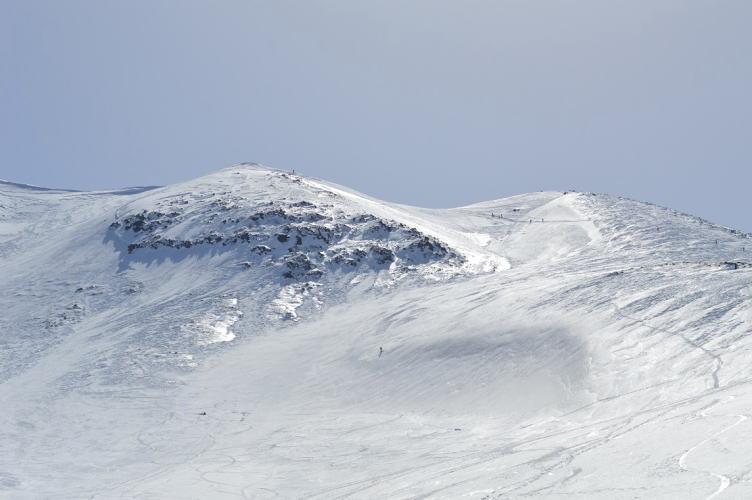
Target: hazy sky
{"points": [[426, 102]]}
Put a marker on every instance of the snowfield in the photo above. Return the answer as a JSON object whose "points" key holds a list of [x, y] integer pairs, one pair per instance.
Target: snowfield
{"points": [[259, 334]]}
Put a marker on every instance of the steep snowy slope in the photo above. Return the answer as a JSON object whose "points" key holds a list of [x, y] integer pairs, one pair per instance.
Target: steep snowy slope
{"points": [[259, 334]]}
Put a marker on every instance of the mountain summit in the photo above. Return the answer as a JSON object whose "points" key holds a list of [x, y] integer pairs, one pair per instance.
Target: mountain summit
{"points": [[255, 333]]}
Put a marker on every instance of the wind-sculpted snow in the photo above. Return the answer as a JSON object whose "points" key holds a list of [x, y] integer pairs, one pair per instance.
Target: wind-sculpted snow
{"points": [[260, 334]]}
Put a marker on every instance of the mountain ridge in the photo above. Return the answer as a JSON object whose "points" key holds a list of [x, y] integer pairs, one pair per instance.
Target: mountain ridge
{"points": [[256, 333]]}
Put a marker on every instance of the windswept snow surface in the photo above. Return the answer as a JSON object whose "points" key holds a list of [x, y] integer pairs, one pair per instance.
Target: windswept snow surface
{"points": [[259, 334]]}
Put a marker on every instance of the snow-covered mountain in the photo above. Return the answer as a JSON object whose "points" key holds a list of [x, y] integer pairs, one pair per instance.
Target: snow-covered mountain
{"points": [[259, 334]]}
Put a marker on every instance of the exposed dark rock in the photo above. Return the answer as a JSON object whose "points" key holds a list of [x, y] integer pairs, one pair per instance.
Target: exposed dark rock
{"points": [[296, 235]]}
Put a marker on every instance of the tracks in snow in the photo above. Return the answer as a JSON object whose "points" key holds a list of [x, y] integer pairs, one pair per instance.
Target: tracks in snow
{"points": [[725, 481]]}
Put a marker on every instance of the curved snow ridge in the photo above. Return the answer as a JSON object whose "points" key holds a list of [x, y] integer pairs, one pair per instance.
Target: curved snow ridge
{"points": [[469, 245]]}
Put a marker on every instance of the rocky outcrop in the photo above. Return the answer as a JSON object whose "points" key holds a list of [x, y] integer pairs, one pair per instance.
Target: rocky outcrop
{"points": [[304, 240]]}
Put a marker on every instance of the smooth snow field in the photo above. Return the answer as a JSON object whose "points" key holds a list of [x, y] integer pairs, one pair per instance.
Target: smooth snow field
{"points": [[258, 334]]}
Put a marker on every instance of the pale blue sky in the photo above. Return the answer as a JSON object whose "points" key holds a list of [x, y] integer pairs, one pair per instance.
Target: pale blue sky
{"points": [[426, 102]]}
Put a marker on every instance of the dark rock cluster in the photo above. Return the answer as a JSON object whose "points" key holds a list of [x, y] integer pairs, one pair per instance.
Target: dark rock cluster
{"points": [[304, 240]]}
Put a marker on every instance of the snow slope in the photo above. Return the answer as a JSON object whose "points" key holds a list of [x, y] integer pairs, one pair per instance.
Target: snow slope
{"points": [[259, 334]]}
